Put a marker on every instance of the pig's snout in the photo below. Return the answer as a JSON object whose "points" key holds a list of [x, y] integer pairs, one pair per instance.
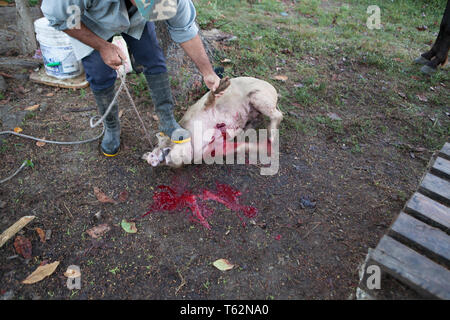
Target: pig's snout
{"points": [[151, 159], [155, 158]]}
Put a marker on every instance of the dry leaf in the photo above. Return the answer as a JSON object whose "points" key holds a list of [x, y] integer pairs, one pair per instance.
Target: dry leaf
{"points": [[422, 98], [41, 272], [23, 246], [223, 264], [98, 231], [72, 273], [18, 129], [129, 227], [16, 227], [103, 198], [123, 196], [33, 107], [422, 28], [401, 94], [50, 94], [155, 117], [120, 113], [226, 60], [40, 143], [41, 234], [280, 78]]}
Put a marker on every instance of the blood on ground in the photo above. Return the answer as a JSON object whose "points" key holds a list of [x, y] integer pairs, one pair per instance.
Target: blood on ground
{"points": [[171, 200]]}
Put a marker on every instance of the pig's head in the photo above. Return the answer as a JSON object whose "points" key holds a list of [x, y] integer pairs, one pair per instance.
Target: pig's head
{"points": [[169, 153]]}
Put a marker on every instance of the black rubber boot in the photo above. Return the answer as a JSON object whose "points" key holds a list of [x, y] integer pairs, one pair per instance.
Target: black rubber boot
{"points": [[111, 139], [161, 94]]}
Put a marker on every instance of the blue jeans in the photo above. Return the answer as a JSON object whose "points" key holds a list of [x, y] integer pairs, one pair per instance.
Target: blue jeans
{"points": [[146, 52]]}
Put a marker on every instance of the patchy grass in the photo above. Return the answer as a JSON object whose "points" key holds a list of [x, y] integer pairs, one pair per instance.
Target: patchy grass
{"points": [[360, 125], [335, 63]]}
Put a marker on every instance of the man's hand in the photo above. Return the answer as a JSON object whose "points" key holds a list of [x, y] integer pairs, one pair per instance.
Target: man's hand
{"points": [[196, 51], [112, 55], [212, 82]]}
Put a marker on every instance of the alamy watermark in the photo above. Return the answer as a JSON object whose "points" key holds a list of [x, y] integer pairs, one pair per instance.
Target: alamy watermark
{"points": [[374, 20]]}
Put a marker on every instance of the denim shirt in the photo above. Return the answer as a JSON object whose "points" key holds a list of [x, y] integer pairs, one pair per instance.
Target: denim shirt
{"points": [[109, 17]]}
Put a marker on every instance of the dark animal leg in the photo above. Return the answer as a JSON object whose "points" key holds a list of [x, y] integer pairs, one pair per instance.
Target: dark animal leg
{"points": [[439, 52]]}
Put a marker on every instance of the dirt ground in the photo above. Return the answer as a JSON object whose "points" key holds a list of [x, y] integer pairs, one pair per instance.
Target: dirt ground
{"points": [[288, 251]]}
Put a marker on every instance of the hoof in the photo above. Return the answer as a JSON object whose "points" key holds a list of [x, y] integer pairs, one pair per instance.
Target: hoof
{"points": [[428, 70], [421, 60]]}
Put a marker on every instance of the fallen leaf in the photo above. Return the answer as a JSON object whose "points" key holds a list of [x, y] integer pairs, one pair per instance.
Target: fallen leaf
{"points": [[401, 94], [280, 78], [23, 246], [72, 273], [129, 227], [397, 59], [333, 116], [422, 98], [40, 143], [422, 28], [226, 61], [16, 227], [120, 113], [155, 117], [33, 107], [223, 264], [18, 129], [41, 234], [98, 231], [123, 196], [41, 272], [103, 198], [50, 94]]}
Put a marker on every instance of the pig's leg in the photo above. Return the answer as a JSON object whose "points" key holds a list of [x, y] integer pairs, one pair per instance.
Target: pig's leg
{"points": [[266, 103]]}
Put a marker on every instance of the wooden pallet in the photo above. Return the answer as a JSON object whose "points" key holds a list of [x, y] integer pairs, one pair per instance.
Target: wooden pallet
{"points": [[78, 82], [416, 249]]}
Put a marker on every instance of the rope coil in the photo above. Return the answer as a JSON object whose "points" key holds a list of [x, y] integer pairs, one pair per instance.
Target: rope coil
{"points": [[92, 124]]}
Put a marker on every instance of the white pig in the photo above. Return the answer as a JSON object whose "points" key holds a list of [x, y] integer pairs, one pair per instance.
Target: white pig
{"points": [[242, 101]]}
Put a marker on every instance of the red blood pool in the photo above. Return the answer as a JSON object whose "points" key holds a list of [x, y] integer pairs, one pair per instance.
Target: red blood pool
{"points": [[170, 200]]}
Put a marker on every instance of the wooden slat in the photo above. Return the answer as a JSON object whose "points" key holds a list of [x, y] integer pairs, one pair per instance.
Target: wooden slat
{"points": [[436, 188], [445, 151], [441, 168], [408, 266], [426, 237], [429, 210]]}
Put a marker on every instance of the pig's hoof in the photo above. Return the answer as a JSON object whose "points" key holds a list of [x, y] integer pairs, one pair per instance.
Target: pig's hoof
{"points": [[428, 70], [421, 60]]}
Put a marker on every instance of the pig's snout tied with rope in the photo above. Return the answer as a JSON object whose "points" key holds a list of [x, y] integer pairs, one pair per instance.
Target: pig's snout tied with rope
{"points": [[93, 124]]}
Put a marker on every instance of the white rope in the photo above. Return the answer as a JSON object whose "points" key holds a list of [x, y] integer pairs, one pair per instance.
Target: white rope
{"points": [[93, 124]]}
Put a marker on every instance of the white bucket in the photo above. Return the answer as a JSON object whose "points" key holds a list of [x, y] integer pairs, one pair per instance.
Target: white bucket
{"points": [[59, 58]]}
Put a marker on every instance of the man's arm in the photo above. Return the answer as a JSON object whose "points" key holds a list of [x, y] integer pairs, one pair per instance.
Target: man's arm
{"points": [[196, 51], [183, 30], [58, 14], [110, 53]]}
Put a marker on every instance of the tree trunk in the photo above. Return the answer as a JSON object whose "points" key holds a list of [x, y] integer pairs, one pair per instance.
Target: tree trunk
{"points": [[184, 73], [25, 29]]}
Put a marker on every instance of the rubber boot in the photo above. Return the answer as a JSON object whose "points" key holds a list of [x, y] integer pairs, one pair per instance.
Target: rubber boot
{"points": [[111, 139], [161, 94]]}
